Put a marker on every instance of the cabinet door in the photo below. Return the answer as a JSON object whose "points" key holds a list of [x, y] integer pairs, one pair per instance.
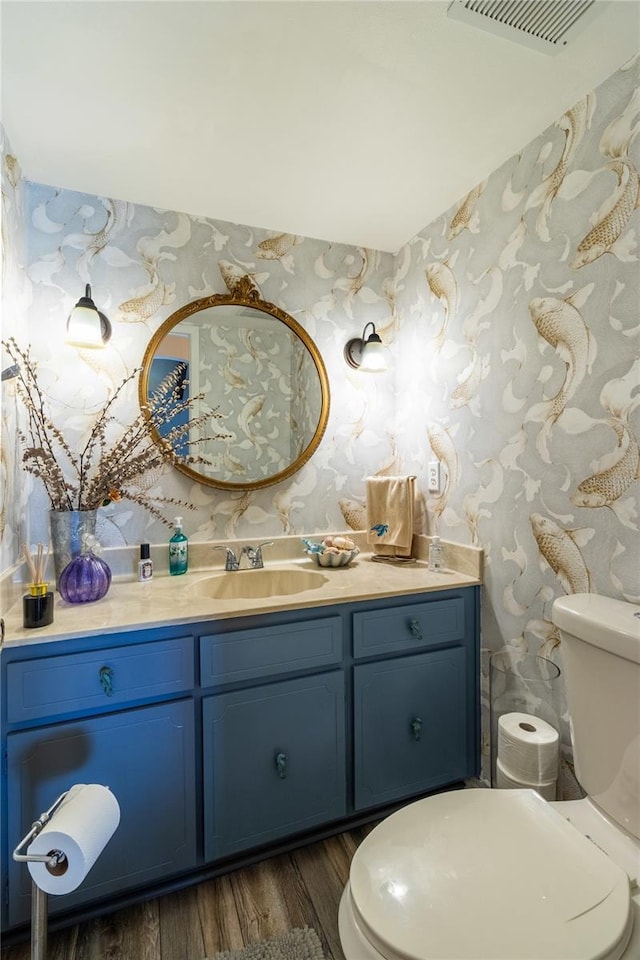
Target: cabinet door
{"points": [[274, 761], [410, 726], [146, 758]]}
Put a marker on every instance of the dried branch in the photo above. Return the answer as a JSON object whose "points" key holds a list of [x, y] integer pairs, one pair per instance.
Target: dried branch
{"points": [[107, 470]]}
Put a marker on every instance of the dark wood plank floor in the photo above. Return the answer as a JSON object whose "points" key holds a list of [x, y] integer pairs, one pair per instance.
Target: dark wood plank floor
{"points": [[297, 889]]}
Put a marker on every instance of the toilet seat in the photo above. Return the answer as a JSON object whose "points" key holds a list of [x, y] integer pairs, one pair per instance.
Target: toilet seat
{"points": [[487, 875]]}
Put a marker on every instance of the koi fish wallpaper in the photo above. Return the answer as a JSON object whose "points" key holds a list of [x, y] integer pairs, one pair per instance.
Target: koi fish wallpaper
{"points": [[519, 335], [512, 322]]}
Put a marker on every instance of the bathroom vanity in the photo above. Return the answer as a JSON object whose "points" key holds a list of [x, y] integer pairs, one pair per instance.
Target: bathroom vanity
{"points": [[227, 736]]}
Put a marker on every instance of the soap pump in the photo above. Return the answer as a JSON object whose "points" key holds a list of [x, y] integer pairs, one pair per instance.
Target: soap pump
{"points": [[178, 550]]}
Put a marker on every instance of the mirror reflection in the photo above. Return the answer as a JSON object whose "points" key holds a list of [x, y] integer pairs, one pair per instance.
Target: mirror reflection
{"points": [[259, 371]]}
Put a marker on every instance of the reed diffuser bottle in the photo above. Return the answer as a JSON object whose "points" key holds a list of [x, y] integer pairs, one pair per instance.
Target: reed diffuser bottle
{"points": [[37, 605]]}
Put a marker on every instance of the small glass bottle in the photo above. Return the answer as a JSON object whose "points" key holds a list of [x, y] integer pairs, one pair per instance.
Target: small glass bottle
{"points": [[178, 550], [37, 606], [145, 563], [435, 555]]}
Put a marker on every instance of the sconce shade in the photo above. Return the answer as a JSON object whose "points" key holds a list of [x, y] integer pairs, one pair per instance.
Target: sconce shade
{"points": [[86, 326], [10, 373], [366, 353]]}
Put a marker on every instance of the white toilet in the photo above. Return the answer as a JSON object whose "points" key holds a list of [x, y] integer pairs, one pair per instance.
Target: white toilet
{"points": [[504, 874]]}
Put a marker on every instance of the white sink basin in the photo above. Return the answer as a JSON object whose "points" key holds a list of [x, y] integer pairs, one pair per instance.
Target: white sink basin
{"points": [[256, 584]]}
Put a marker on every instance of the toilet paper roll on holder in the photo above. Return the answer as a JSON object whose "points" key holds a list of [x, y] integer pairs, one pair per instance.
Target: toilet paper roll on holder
{"points": [[56, 862]]}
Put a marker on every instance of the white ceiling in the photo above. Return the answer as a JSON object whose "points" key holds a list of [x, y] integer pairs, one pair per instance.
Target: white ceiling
{"points": [[347, 121]]}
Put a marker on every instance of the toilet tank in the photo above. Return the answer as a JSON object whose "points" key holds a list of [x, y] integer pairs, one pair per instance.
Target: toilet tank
{"points": [[601, 658]]}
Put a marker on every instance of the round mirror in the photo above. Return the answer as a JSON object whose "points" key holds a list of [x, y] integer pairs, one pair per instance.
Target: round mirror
{"points": [[259, 371]]}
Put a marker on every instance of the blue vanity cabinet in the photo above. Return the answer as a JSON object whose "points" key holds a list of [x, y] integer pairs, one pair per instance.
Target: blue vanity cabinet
{"points": [[231, 738], [415, 698], [135, 734], [274, 757]]}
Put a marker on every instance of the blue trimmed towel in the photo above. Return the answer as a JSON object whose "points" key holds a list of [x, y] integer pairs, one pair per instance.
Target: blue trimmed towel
{"points": [[390, 511]]}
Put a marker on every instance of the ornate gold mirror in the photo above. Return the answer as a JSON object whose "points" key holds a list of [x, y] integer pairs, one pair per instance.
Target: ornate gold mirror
{"points": [[259, 370]]}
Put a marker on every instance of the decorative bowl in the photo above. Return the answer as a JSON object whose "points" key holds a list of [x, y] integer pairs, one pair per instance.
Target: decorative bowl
{"points": [[329, 559]]}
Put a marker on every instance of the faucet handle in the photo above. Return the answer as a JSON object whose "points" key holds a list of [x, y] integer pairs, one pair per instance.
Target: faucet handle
{"points": [[254, 554], [267, 543], [232, 562]]}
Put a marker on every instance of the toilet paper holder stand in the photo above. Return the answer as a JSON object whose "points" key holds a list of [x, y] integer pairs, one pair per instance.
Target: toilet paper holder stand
{"points": [[54, 860]]}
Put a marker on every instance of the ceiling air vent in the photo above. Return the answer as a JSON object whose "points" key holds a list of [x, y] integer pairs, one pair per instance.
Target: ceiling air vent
{"points": [[545, 25]]}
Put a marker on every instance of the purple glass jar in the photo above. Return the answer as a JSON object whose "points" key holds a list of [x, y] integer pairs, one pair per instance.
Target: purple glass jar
{"points": [[84, 579]]}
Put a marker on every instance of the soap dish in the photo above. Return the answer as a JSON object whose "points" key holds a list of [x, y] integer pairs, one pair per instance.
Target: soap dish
{"points": [[330, 559]]}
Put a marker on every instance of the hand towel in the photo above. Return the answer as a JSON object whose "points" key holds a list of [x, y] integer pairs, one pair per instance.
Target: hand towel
{"points": [[390, 510]]}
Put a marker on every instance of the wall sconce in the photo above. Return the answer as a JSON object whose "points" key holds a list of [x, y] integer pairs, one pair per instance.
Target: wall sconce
{"points": [[366, 353], [87, 326], [10, 373]]}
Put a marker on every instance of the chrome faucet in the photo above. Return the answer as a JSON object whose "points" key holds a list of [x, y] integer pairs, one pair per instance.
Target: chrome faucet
{"points": [[254, 555], [232, 562]]}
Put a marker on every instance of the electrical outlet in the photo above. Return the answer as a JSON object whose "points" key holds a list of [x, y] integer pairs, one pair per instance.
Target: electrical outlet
{"points": [[433, 477]]}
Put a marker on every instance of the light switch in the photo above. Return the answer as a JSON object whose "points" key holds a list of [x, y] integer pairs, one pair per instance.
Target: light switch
{"points": [[433, 477]]}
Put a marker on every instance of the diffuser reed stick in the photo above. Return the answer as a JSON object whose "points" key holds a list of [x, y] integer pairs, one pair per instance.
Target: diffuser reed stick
{"points": [[38, 565]]}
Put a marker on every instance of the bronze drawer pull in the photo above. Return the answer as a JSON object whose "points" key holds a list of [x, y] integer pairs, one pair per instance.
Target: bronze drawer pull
{"points": [[416, 728], [281, 765], [106, 680], [414, 626]]}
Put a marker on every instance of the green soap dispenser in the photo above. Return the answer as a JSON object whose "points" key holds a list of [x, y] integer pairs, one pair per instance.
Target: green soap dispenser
{"points": [[178, 550]]}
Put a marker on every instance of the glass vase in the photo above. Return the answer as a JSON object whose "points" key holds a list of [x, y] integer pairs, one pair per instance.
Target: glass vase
{"points": [[72, 533]]}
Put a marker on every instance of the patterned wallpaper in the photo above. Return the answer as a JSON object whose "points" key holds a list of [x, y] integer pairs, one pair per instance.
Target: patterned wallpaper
{"points": [[513, 323], [143, 263], [15, 294], [519, 347], [261, 379]]}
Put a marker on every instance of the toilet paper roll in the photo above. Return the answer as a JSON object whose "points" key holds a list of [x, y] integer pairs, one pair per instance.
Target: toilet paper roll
{"points": [[81, 828], [528, 747], [505, 781]]}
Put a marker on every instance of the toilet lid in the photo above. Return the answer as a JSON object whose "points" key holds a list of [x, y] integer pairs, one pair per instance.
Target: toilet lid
{"points": [[488, 875]]}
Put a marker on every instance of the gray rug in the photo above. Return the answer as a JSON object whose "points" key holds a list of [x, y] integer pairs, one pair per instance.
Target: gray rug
{"points": [[295, 945]]}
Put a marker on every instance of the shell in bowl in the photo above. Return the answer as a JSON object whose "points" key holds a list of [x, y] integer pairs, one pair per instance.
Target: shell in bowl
{"points": [[331, 558]]}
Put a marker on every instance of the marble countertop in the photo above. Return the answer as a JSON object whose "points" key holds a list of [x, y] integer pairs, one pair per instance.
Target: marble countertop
{"points": [[167, 600]]}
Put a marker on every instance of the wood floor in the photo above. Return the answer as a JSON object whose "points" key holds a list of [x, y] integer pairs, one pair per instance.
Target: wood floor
{"points": [[297, 889]]}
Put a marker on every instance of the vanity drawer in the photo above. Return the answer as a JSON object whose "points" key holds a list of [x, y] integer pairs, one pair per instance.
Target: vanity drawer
{"points": [[52, 686], [266, 651], [416, 626]]}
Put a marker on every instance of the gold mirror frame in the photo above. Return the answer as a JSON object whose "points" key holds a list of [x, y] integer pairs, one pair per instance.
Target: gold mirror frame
{"points": [[241, 299]]}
